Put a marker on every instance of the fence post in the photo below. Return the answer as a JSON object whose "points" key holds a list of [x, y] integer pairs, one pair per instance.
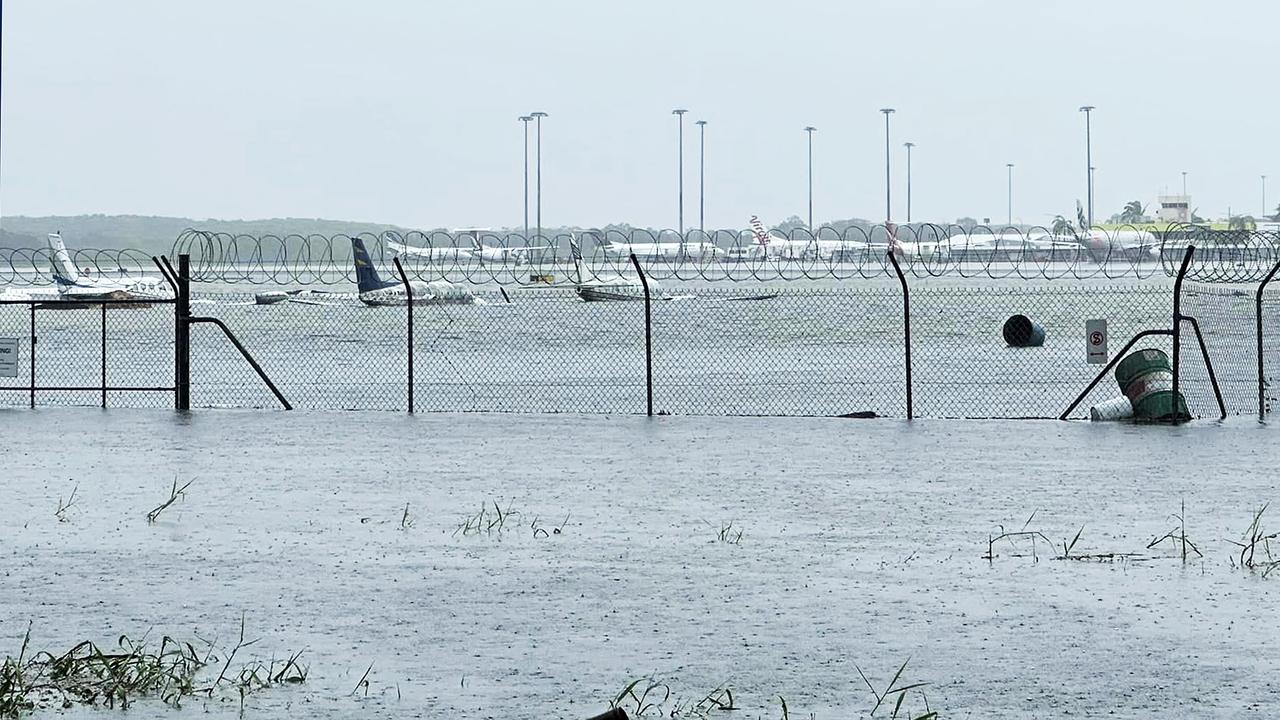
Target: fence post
{"points": [[648, 336], [33, 356], [408, 291], [906, 325], [104, 356], [1177, 320], [182, 334], [1262, 403]]}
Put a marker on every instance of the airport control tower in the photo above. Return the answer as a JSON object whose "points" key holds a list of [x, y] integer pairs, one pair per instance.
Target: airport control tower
{"points": [[1174, 209]]}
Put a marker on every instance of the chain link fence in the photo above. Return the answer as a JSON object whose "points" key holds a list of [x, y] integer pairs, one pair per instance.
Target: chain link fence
{"points": [[789, 348], [115, 354], [740, 351], [1226, 318], [964, 368]]}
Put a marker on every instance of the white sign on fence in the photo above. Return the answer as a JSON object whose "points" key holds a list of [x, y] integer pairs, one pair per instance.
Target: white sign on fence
{"points": [[1095, 341], [8, 357]]}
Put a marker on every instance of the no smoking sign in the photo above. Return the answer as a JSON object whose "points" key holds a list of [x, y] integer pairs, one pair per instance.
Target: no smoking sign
{"points": [[1095, 334]]}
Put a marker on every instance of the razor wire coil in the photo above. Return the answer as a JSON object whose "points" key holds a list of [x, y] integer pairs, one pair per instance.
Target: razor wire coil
{"points": [[510, 259]]}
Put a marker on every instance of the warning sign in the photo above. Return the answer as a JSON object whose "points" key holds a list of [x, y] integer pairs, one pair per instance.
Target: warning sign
{"points": [[8, 357], [1095, 340]]}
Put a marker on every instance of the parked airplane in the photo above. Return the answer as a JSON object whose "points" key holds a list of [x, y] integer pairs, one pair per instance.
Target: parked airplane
{"points": [[73, 286], [1131, 244], [443, 254], [608, 287], [1015, 245], [917, 249], [770, 244], [376, 291], [488, 254], [659, 251]]}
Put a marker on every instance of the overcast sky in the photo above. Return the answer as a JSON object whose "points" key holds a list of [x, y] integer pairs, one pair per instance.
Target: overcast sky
{"points": [[406, 112]]}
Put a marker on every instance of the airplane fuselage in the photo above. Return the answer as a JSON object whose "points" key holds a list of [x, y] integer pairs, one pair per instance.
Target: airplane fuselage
{"points": [[432, 293]]}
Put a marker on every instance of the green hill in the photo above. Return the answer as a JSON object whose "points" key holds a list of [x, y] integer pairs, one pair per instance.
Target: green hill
{"points": [[154, 234]]}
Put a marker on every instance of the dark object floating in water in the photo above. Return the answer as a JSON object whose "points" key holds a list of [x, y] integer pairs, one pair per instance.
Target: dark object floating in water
{"points": [[1019, 331], [860, 415], [766, 296], [614, 714]]}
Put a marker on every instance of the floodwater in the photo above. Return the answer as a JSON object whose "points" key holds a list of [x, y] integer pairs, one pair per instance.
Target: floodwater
{"points": [[862, 545]]}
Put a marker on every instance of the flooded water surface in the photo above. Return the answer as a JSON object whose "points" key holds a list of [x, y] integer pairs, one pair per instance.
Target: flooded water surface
{"points": [[776, 557]]}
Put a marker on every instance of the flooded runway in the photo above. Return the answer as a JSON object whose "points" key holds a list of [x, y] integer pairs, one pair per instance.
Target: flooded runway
{"points": [[861, 545]]}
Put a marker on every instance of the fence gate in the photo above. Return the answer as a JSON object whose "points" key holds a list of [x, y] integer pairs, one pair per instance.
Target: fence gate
{"points": [[110, 349], [107, 352]]}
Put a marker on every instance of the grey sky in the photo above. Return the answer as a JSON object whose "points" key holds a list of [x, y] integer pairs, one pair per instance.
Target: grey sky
{"points": [[406, 112]]}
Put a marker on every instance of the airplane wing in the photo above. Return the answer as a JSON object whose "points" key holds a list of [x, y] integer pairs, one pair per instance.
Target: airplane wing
{"points": [[28, 295]]}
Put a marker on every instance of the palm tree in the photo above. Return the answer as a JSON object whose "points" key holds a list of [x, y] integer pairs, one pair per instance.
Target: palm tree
{"points": [[1134, 212], [1061, 226]]}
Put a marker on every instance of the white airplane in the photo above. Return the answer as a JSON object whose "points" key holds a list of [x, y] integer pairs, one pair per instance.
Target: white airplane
{"points": [[1016, 245], [448, 253], [1131, 244], [73, 286], [839, 249], [771, 244], [24, 295], [376, 291], [487, 254], [661, 250], [607, 287], [916, 250]]}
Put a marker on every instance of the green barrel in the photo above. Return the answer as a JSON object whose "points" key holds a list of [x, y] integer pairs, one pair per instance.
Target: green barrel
{"points": [[1146, 378]]}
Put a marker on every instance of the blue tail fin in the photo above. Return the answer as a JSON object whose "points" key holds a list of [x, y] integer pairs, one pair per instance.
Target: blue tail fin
{"points": [[367, 278]]}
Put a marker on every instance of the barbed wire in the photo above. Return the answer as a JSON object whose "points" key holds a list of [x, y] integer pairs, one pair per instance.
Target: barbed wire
{"points": [[34, 266], [827, 253]]}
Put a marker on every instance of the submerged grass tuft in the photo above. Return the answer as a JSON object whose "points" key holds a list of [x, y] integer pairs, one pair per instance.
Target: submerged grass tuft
{"points": [[1018, 540], [898, 694], [730, 533], [1177, 537], [493, 521], [174, 493], [93, 675], [64, 506], [1255, 547]]}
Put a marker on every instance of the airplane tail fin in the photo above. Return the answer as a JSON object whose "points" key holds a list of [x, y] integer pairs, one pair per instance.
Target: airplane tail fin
{"points": [[576, 252], [64, 270], [367, 277], [895, 245]]}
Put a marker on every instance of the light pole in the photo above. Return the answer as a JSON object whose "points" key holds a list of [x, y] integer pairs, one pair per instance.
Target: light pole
{"points": [[1264, 197], [524, 120], [1010, 167], [679, 113], [1184, 183], [908, 146], [1088, 154], [809, 130], [1091, 171], [888, 207], [702, 172], [537, 116]]}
